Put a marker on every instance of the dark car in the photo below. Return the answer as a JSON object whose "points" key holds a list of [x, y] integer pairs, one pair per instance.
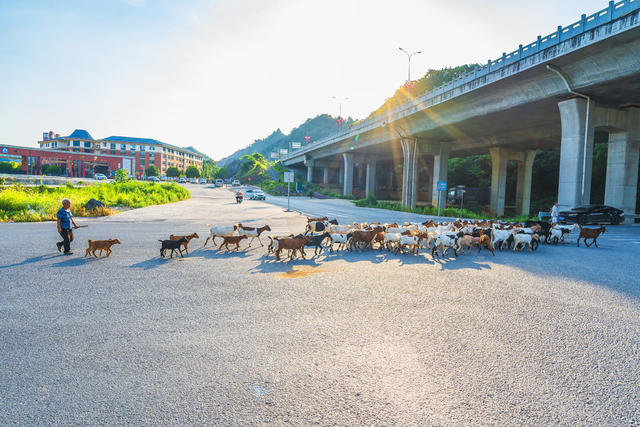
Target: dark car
{"points": [[591, 214]]}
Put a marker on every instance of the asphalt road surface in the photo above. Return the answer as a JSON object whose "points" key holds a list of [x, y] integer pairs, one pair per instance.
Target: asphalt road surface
{"points": [[551, 337]]}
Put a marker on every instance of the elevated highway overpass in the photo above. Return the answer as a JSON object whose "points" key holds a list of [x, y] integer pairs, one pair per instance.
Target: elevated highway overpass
{"points": [[555, 92]]}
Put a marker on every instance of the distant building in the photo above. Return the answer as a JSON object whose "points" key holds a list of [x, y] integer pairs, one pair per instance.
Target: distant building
{"points": [[142, 152]]}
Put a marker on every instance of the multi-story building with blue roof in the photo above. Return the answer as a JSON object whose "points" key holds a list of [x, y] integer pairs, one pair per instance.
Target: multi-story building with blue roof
{"points": [[144, 151]]}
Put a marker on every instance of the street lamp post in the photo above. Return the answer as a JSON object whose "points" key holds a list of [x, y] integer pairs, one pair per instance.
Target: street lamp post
{"points": [[409, 55], [340, 101]]}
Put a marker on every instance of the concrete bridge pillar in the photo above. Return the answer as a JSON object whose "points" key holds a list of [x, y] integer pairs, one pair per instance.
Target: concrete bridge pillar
{"points": [[370, 186], [325, 175], [409, 150], [622, 172], [440, 171], [574, 187], [309, 163], [499, 159], [523, 189], [347, 186]]}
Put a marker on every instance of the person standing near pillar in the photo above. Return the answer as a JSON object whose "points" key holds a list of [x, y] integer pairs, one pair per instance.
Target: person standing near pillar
{"points": [[554, 213], [65, 221]]}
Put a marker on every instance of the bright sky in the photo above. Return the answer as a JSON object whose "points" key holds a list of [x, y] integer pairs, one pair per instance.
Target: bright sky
{"points": [[219, 74]]}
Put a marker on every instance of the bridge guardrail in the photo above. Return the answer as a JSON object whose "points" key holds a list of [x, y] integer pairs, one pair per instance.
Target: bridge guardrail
{"points": [[586, 23]]}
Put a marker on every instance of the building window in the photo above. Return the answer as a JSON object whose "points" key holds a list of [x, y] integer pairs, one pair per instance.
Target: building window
{"points": [[113, 147], [152, 148], [113, 151], [87, 144], [123, 147], [76, 150], [133, 147], [142, 147]]}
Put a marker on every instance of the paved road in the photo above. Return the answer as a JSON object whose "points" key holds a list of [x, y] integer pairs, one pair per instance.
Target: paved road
{"points": [[364, 338]]}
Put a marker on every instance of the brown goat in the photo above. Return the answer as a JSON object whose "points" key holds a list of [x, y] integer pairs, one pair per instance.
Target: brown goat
{"points": [[324, 218], [253, 232], [362, 236], [294, 244], [100, 245], [188, 237], [234, 240], [590, 233]]}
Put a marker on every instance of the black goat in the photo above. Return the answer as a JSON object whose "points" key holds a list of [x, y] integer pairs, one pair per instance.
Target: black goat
{"points": [[315, 241], [173, 245]]}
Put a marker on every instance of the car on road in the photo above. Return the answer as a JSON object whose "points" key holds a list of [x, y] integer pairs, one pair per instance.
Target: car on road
{"points": [[100, 176], [219, 182], [257, 195], [235, 183], [153, 179], [591, 214], [202, 181], [193, 180], [182, 181]]}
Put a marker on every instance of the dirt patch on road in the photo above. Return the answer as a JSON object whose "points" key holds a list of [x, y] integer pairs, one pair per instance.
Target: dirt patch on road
{"points": [[300, 272]]}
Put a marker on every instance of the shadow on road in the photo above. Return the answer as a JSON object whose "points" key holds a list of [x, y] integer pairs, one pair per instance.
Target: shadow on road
{"points": [[460, 263], [39, 258], [75, 262], [150, 263], [213, 253], [271, 265]]}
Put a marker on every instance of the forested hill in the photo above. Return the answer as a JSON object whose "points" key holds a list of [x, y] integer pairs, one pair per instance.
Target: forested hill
{"points": [[317, 128]]}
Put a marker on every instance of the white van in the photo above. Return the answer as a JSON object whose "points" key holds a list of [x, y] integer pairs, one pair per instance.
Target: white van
{"points": [[219, 182]]}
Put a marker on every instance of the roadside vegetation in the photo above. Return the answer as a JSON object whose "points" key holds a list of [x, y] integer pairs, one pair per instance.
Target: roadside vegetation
{"points": [[371, 202], [20, 203]]}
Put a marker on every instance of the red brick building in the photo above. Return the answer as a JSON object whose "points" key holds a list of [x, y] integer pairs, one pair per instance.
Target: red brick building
{"points": [[144, 151], [71, 163]]}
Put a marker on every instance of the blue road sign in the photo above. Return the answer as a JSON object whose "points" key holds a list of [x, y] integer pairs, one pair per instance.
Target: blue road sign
{"points": [[442, 185]]}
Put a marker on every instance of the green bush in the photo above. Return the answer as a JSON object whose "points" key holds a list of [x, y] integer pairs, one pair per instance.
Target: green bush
{"points": [[152, 171], [10, 167], [121, 176]]}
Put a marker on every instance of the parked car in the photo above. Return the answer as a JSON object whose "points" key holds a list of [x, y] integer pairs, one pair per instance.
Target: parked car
{"points": [[235, 183], [219, 182], [153, 179], [257, 195], [591, 214], [202, 181], [100, 176], [182, 180]]}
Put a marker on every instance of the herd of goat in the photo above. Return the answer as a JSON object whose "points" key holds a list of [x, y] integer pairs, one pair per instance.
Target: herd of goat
{"points": [[321, 233]]}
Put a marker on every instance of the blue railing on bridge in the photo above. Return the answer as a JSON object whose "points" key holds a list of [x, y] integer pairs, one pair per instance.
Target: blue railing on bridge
{"points": [[586, 23]]}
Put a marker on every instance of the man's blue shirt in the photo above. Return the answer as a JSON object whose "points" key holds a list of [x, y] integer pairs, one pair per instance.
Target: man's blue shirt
{"points": [[65, 218]]}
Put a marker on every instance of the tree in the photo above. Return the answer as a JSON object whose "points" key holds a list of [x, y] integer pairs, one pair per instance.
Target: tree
{"points": [[209, 168], [192, 172], [172, 172], [152, 171], [122, 175], [222, 173]]}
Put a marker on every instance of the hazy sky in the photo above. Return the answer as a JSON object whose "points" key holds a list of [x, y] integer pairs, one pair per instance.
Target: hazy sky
{"points": [[219, 74]]}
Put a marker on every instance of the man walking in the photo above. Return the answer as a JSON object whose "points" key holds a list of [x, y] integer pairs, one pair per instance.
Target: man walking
{"points": [[554, 213], [65, 220]]}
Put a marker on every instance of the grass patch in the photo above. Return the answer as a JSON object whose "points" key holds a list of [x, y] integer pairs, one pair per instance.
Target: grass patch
{"points": [[19, 203]]}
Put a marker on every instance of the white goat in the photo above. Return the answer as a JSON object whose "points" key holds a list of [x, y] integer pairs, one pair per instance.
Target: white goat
{"points": [[444, 242], [521, 239], [412, 242], [340, 239], [220, 231], [500, 236]]}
